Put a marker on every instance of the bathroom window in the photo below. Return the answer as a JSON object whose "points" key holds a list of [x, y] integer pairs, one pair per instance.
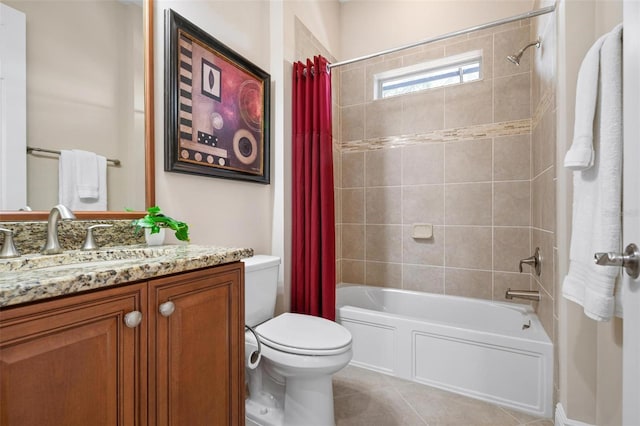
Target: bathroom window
{"points": [[429, 75]]}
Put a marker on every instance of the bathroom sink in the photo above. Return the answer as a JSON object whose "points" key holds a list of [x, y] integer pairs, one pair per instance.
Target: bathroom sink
{"points": [[81, 259]]}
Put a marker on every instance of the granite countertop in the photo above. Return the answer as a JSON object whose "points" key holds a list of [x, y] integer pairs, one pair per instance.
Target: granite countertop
{"points": [[37, 277]]}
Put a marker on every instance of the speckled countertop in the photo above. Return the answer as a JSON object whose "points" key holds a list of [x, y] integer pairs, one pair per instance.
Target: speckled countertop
{"points": [[35, 277]]}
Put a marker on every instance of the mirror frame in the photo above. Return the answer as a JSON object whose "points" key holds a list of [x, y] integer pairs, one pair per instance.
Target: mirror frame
{"points": [[149, 142]]}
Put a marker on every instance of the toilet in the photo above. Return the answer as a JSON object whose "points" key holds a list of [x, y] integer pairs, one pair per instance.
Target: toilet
{"points": [[289, 368]]}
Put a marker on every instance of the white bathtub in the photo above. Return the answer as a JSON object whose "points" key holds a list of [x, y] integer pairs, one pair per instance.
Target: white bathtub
{"points": [[497, 352]]}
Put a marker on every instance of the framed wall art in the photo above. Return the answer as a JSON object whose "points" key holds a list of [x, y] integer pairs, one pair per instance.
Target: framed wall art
{"points": [[216, 107]]}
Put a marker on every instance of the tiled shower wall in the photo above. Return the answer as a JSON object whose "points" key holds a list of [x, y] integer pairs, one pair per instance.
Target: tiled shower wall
{"points": [[458, 158], [543, 173]]}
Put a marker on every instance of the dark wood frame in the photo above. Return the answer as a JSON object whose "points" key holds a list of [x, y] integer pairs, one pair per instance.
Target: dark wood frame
{"points": [[172, 161], [149, 142]]}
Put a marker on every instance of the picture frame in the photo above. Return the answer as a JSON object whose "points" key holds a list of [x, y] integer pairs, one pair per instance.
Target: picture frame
{"points": [[217, 107]]}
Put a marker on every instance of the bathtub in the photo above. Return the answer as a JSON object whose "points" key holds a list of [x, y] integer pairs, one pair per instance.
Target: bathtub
{"points": [[496, 352]]}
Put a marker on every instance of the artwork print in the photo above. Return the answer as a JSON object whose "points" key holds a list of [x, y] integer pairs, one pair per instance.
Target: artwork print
{"points": [[218, 108]]}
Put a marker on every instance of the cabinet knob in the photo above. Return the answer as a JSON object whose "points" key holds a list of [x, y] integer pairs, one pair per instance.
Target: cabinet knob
{"points": [[167, 308], [133, 319]]}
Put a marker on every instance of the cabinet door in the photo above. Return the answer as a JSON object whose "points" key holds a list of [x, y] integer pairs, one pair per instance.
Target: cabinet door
{"points": [[73, 361], [196, 353]]}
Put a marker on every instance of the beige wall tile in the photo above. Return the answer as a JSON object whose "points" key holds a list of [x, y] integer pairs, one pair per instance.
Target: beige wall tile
{"points": [[423, 204], [512, 97], [383, 274], [511, 203], [352, 169], [422, 112], [543, 143], [382, 167], [352, 86], [353, 271], [510, 245], [543, 201], [544, 309], [468, 161], [383, 243], [509, 43], [337, 166], [353, 242], [337, 204], [468, 247], [512, 157], [483, 43], [338, 241], [423, 164], [502, 281], [423, 56], [468, 104], [423, 278], [374, 68], [468, 283], [383, 118], [353, 205], [423, 251], [352, 118], [383, 205], [338, 271], [468, 204]]}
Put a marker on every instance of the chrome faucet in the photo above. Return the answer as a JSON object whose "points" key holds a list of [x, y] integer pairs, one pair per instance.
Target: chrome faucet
{"points": [[522, 294], [52, 246]]}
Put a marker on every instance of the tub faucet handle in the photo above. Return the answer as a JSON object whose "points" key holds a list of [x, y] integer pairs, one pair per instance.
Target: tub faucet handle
{"points": [[534, 261]]}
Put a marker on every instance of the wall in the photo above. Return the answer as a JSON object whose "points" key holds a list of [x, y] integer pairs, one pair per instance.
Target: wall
{"points": [[85, 92], [371, 26], [457, 157], [590, 353]]}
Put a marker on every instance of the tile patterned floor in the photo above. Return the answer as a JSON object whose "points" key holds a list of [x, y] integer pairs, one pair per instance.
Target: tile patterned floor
{"points": [[367, 398]]}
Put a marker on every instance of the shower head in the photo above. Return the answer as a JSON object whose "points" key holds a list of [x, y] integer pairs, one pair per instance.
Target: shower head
{"points": [[515, 59]]}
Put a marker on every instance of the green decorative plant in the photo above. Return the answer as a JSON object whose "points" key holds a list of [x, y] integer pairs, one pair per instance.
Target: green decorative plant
{"points": [[155, 220]]}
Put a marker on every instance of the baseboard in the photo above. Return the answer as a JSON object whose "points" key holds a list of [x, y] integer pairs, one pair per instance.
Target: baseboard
{"points": [[562, 420]]}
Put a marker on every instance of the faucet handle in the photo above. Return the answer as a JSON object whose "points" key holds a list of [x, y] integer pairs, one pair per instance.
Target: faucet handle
{"points": [[533, 261], [8, 247], [89, 241]]}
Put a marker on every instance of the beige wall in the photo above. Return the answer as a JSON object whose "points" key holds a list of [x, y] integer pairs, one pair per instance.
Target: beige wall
{"points": [[85, 91], [219, 212], [371, 26], [457, 157], [590, 353]]}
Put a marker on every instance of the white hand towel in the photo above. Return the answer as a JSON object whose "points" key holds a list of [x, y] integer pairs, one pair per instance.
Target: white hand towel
{"points": [[598, 194], [68, 191], [87, 179], [580, 155]]}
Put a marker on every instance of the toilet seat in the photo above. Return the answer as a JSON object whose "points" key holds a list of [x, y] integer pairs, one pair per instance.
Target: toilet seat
{"points": [[304, 335]]}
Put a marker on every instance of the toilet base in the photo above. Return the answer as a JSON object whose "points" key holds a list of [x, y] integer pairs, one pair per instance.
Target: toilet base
{"points": [[257, 414], [309, 401]]}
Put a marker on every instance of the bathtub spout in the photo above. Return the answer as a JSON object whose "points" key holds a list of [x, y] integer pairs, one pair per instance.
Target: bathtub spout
{"points": [[522, 294]]}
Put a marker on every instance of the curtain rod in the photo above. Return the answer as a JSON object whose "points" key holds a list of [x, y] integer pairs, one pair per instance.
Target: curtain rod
{"points": [[115, 162], [492, 24]]}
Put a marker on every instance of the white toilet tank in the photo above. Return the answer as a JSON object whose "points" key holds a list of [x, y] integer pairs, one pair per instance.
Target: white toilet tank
{"points": [[260, 288]]}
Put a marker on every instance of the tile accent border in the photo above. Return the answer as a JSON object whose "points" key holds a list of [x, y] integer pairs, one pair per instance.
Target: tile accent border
{"points": [[481, 131]]}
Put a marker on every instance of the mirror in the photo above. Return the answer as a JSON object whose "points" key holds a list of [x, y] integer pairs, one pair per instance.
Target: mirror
{"points": [[138, 118]]}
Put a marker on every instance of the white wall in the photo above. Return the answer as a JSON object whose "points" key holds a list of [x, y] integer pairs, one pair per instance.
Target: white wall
{"points": [[370, 26], [219, 212]]}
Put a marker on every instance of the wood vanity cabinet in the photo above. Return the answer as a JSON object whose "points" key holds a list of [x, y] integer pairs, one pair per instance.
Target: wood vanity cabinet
{"points": [[74, 361]]}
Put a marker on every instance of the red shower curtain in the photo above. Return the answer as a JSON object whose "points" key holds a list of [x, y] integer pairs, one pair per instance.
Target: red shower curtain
{"points": [[313, 247]]}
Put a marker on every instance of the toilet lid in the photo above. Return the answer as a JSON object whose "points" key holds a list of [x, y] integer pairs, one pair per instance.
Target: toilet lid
{"points": [[304, 334]]}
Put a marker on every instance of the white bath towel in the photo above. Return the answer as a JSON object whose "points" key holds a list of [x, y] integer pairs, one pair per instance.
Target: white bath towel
{"points": [[82, 180], [597, 193]]}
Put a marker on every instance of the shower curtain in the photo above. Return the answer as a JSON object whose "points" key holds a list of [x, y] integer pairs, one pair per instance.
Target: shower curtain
{"points": [[313, 222]]}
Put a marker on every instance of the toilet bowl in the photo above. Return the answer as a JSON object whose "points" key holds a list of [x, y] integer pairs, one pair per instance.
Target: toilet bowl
{"points": [[291, 384]]}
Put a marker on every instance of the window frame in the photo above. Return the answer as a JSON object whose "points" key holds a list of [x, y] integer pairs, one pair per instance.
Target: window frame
{"points": [[423, 68]]}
